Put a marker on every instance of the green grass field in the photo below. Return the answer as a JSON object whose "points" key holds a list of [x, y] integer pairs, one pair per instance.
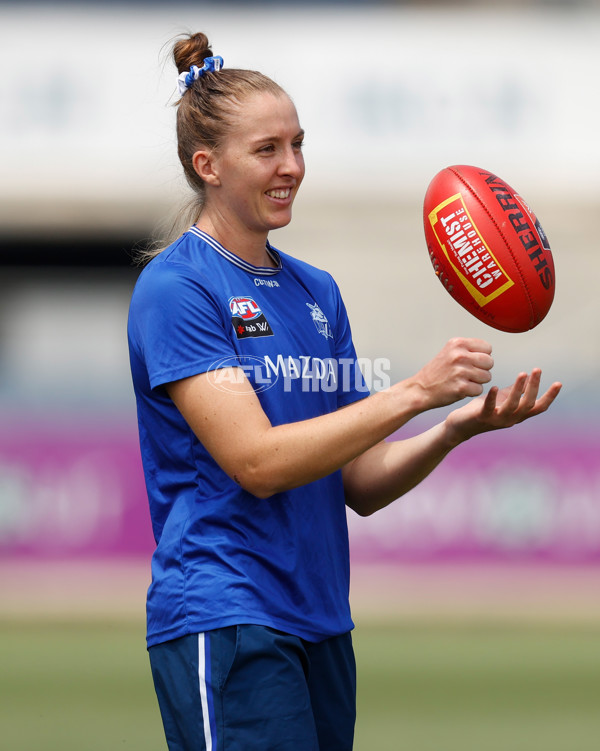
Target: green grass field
{"points": [[87, 687]]}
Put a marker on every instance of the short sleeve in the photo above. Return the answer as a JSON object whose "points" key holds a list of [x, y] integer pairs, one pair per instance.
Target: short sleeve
{"points": [[177, 326]]}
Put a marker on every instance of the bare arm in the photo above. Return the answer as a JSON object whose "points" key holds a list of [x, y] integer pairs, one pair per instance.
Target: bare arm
{"points": [[281, 457], [389, 470]]}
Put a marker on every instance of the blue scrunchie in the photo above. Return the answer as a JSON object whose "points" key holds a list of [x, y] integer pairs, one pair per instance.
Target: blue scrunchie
{"points": [[211, 65]]}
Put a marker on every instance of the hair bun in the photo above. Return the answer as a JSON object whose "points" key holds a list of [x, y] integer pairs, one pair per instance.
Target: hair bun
{"points": [[191, 50]]}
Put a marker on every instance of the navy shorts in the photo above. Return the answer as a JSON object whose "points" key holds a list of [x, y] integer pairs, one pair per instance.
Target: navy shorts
{"points": [[252, 688]]}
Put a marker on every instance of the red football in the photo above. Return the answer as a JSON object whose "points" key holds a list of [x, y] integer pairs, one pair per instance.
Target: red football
{"points": [[488, 248]]}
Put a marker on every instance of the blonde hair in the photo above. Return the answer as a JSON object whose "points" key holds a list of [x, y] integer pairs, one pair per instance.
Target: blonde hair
{"points": [[205, 116]]}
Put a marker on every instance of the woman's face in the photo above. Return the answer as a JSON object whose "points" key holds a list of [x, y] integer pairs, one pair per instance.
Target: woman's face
{"points": [[260, 165]]}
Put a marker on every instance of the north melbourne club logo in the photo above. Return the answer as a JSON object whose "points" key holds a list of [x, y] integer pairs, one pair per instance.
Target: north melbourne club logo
{"points": [[320, 320], [247, 318]]}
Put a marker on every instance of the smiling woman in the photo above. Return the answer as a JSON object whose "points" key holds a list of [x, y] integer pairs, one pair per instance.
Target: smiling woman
{"points": [[248, 481], [216, 111], [252, 178]]}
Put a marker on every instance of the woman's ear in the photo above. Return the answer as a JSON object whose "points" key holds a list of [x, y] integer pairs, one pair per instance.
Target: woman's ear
{"points": [[203, 162]]}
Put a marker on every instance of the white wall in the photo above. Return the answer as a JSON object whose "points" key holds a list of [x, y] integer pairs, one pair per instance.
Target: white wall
{"points": [[388, 96]]}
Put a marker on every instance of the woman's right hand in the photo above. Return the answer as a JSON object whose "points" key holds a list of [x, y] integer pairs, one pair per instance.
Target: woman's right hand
{"points": [[458, 371]]}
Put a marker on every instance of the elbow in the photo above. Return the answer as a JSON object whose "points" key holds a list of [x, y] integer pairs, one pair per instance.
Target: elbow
{"points": [[368, 504], [367, 511], [261, 491], [360, 506], [255, 482]]}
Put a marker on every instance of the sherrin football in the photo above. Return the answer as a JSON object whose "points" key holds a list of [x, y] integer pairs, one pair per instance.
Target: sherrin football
{"points": [[488, 248]]}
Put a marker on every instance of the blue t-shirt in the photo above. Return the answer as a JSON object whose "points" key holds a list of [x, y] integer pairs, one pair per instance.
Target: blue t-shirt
{"points": [[224, 556]]}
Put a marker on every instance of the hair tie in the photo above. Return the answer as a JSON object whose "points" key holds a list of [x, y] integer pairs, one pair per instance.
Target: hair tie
{"points": [[211, 65]]}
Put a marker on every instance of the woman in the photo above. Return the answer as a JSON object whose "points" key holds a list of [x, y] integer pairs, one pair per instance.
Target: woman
{"points": [[242, 360]]}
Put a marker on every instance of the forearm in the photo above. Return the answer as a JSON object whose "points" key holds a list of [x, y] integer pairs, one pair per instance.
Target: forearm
{"points": [[281, 457], [294, 454], [391, 469]]}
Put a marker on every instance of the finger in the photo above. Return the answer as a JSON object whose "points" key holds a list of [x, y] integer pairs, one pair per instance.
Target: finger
{"points": [[489, 404], [481, 360], [530, 391], [542, 404], [477, 345], [513, 399], [473, 351], [480, 376], [473, 381], [546, 400], [470, 388], [477, 367]]}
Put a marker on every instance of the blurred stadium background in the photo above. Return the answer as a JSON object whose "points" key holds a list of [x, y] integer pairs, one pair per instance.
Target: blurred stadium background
{"points": [[476, 597]]}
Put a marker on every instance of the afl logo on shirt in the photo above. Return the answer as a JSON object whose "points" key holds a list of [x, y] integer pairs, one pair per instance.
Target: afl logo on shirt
{"points": [[247, 318]]}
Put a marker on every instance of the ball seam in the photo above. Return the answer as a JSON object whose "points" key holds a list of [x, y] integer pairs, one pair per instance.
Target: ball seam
{"points": [[521, 279]]}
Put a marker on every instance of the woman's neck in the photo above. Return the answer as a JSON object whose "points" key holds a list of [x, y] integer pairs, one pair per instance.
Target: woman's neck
{"points": [[251, 247]]}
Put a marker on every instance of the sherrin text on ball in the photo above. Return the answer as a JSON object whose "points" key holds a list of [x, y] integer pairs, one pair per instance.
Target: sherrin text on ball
{"points": [[488, 248]]}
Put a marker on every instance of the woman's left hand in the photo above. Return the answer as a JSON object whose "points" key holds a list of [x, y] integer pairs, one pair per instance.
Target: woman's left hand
{"points": [[501, 408]]}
